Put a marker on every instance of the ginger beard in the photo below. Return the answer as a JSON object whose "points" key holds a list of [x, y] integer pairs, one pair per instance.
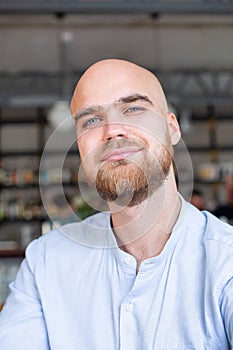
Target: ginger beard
{"points": [[129, 182]]}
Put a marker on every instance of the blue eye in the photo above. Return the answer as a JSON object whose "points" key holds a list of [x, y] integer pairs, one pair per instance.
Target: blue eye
{"points": [[134, 109], [92, 121]]}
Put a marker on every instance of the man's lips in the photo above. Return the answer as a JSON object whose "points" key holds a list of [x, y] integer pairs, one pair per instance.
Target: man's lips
{"points": [[120, 154]]}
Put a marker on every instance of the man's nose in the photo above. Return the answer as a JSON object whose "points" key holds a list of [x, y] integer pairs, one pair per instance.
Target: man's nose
{"points": [[115, 130]]}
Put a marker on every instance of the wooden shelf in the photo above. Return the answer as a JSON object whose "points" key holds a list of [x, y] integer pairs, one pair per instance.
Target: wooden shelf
{"points": [[36, 153], [36, 185], [12, 253], [23, 121], [203, 149], [15, 220], [19, 186]]}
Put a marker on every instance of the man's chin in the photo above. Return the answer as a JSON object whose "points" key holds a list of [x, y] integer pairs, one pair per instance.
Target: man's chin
{"points": [[124, 199]]}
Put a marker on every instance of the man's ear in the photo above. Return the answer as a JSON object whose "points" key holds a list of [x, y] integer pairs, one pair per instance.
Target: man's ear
{"points": [[174, 128]]}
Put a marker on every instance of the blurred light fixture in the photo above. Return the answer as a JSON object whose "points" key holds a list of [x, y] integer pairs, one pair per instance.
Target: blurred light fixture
{"points": [[59, 116]]}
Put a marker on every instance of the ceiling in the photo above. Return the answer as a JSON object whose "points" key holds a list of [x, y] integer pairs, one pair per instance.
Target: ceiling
{"points": [[114, 6], [44, 48]]}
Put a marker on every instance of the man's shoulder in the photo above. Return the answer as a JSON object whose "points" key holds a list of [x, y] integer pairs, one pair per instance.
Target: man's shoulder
{"points": [[210, 235], [207, 227], [211, 243], [218, 244], [218, 231], [86, 234]]}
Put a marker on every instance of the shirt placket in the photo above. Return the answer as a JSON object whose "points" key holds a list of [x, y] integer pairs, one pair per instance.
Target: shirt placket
{"points": [[129, 336]]}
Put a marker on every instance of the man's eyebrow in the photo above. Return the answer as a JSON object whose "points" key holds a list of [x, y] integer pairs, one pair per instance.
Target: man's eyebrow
{"points": [[134, 98], [87, 111], [96, 108]]}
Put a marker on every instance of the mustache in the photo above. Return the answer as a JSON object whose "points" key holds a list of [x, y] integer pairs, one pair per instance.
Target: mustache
{"points": [[112, 145]]}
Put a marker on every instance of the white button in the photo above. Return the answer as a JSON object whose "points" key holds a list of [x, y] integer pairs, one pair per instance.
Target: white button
{"points": [[129, 307], [128, 260]]}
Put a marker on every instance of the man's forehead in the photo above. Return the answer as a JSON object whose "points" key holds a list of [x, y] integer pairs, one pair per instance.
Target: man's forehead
{"points": [[98, 86]]}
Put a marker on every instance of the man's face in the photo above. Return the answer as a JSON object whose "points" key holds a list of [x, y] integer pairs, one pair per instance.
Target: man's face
{"points": [[125, 148], [124, 136]]}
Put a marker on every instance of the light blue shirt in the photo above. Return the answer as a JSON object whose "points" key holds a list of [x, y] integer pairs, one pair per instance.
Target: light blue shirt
{"points": [[77, 291]]}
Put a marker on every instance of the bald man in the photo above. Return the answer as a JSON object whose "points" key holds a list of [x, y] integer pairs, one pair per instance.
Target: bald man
{"points": [[152, 271]]}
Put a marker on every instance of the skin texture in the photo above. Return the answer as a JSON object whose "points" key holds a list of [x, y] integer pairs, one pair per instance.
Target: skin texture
{"points": [[116, 141], [128, 76]]}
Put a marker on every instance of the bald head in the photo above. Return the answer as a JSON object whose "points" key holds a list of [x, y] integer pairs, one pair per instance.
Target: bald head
{"points": [[110, 80]]}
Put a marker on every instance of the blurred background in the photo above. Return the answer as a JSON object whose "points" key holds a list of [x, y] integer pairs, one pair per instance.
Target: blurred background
{"points": [[46, 45]]}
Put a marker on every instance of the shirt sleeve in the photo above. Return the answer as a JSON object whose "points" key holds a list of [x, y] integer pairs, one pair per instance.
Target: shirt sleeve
{"points": [[22, 323], [227, 310]]}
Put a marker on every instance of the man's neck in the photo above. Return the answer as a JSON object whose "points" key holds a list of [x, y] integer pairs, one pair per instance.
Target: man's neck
{"points": [[143, 230]]}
